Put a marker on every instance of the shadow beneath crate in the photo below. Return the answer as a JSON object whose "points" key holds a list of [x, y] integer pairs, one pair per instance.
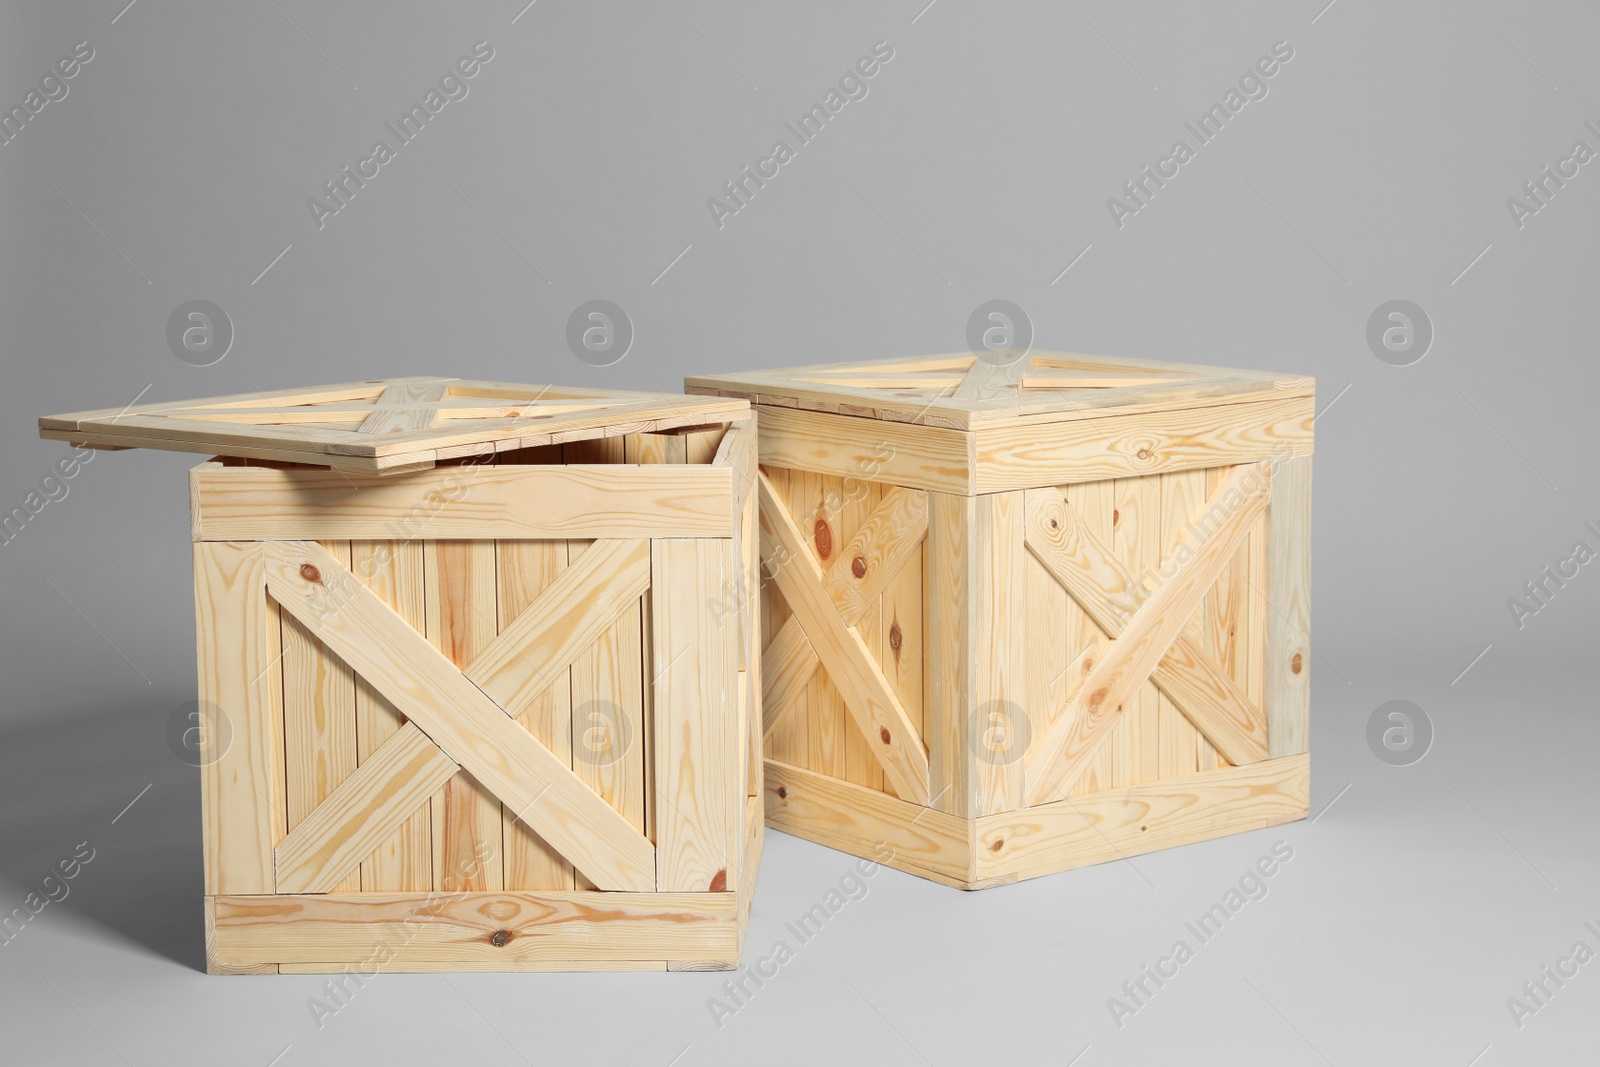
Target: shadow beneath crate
{"points": [[68, 777]]}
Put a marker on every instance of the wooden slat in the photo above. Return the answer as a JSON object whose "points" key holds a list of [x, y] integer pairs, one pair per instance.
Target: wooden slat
{"points": [[1022, 456], [319, 720], [908, 837], [476, 501], [459, 718], [398, 409], [988, 380], [461, 927], [536, 648], [871, 702], [461, 623], [1287, 603], [998, 699], [699, 797], [525, 570], [1128, 822], [919, 457], [1136, 541], [787, 666], [946, 659], [1062, 755], [241, 791], [1183, 496], [1111, 595], [365, 810], [393, 570]]}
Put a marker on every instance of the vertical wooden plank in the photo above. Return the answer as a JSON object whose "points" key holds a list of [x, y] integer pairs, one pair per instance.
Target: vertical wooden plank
{"points": [[999, 700], [319, 718], [1182, 501], [898, 629], [242, 805], [1225, 610], [815, 502], [1096, 503], [1051, 644], [1136, 539], [394, 571], [608, 718], [522, 570], [861, 766], [752, 638], [787, 742], [699, 802], [947, 660], [1287, 697], [461, 613]]}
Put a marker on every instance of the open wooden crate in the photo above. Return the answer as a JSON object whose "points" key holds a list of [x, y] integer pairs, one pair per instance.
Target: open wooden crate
{"points": [[1025, 616], [480, 673]]}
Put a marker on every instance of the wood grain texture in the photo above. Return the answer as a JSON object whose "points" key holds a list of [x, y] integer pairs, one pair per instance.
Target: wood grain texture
{"points": [[366, 809], [871, 701], [918, 457], [475, 501], [1107, 826], [482, 928], [1024, 456], [946, 659], [854, 819], [698, 758], [997, 702], [242, 803], [1063, 753], [472, 729], [1112, 595], [1288, 609], [393, 570]]}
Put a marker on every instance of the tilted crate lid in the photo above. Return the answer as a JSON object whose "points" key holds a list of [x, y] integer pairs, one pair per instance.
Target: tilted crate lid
{"points": [[966, 392], [389, 425]]}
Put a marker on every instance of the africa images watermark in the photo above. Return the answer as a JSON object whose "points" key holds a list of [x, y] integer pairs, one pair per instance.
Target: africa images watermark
{"points": [[1139, 991], [53, 889], [1541, 190], [53, 88], [1537, 992], [1538, 591], [852, 86], [1252, 86], [453, 86], [52, 488]]}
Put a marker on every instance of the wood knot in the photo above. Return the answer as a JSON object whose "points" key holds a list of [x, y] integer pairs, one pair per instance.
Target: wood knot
{"points": [[783, 794], [895, 637], [999, 843], [1098, 697], [1116, 516], [858, 567], [883, 734], [1296, 663], [310, 573], [1144, 453], [823, 538], [1055, 524], [719, 881], [500, 938]]}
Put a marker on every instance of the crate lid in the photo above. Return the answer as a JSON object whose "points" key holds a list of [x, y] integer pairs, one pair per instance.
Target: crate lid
{"points": [[389, 425], [967, 391]]}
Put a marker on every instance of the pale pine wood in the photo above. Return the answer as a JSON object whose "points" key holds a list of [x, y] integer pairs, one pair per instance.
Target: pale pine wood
{"points": [[998, 700], [461, 927], [1135, 740], [918, 457], [525, 571], [1094, 504], [986, 380], [1062, 755], [1142, 818], [1287, 607], [456, 714], [905, 836], [602, 581], [404, 406], [694, 662], [946, 663], [477, 501], [871, 702], [1021, 456], [242, 792], [366, 809], [215, 964], [479, 966], [461, 622], [319, 719], [393, 570], [1182, 503], [1111, 595]]}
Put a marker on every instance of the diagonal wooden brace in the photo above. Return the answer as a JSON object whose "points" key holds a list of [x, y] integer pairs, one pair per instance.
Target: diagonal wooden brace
{"points": [[1063, 753], [474, 731]]}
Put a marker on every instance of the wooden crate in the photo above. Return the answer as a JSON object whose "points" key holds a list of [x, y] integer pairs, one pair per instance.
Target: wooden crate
{"points": [[492, 712], [1020, 618]]}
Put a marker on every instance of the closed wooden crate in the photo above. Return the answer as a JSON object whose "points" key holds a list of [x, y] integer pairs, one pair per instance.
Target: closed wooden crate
{"points": [[481, 671], [1025, 614]]}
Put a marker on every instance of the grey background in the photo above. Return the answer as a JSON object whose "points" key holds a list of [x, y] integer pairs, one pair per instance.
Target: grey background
{"points": [[978, 167]]}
